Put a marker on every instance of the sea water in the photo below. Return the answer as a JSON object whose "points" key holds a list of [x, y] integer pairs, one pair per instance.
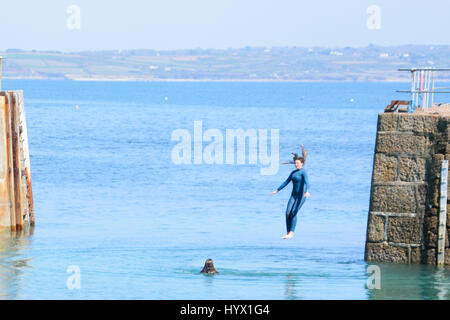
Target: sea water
{"points": [[115, 213]]}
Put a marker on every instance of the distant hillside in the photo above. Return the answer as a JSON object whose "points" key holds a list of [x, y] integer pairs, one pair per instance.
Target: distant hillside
{"points": [[372, 63]]}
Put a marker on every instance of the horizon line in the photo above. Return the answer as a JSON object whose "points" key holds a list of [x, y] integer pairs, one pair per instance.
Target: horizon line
{"points": [[371, 45]]}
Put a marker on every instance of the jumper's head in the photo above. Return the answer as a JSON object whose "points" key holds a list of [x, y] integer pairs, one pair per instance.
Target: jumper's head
{"points": [[300, 161]]}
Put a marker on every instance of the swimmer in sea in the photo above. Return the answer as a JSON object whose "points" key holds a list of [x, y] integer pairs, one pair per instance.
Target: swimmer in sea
{"points": [[300, 191]]}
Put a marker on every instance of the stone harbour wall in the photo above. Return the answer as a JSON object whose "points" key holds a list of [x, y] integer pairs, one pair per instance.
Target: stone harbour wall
{"points": [[404, 202]]}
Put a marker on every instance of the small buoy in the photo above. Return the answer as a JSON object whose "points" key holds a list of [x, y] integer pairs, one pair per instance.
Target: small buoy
{"points": [[76, 107], [165, 98], [352, 100], [209, 267]]}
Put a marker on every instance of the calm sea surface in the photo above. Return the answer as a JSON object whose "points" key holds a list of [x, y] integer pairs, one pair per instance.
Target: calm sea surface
{"points": [[109, 199]]}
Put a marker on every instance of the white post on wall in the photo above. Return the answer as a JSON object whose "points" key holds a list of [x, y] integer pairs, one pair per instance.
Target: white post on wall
{"points": [[442, 214]]}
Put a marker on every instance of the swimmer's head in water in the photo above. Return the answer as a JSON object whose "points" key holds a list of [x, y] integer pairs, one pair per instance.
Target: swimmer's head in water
{"points": [[209, 267]]}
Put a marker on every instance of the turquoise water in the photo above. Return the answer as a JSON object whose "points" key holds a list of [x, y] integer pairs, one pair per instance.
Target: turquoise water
{"points": [[109, 199]]}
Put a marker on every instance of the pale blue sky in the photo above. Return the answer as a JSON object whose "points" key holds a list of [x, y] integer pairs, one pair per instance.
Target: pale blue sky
{"points": [[176, 24]]}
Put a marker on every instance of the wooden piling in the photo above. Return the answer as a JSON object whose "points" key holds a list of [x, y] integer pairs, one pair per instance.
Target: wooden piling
{"points": [[18, 96], [15, 179], [26, 156], [5, 215], [19, 193], [9, 152]]}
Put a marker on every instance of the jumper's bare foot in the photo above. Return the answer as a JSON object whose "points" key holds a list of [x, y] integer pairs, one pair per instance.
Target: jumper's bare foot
{"points": [[290, 235]]}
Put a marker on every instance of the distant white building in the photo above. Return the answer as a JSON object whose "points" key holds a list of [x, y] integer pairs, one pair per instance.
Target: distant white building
{"points": [[384, 55], [336, 53]]}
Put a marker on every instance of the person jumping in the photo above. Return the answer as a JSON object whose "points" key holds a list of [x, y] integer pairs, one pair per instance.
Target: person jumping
{"points": [[300, 191]]}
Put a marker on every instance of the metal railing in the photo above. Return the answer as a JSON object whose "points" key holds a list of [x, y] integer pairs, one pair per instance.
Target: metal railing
{"points": [[423, 87]]}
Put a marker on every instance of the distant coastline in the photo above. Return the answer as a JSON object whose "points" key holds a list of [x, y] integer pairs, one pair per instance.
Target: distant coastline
{"points": [[249, 64], [199, 80]]}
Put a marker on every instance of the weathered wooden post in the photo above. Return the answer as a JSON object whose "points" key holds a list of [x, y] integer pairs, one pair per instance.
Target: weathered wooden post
{"points": [[5, 215], [17, 163], [16, 195], [26, 158], [8, 132]]}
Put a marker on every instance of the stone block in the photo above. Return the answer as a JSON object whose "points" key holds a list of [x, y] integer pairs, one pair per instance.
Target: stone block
{"points": [[431, 224], [394, 198], [445, 120], [415, 255], [448, 189], [412, 169], [430, 257], [434, 171], [434, 193], [447, 238], [383, 252], [404, 230], [431, 212], [447, 148], [387, 121], [446, 134], [447, 243], [385, 168], [421, 198], [418, 123], [402, 143], [431, 230], [430, 239], [447, 257], [375, 228], [448, 186], [440, 147]]}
